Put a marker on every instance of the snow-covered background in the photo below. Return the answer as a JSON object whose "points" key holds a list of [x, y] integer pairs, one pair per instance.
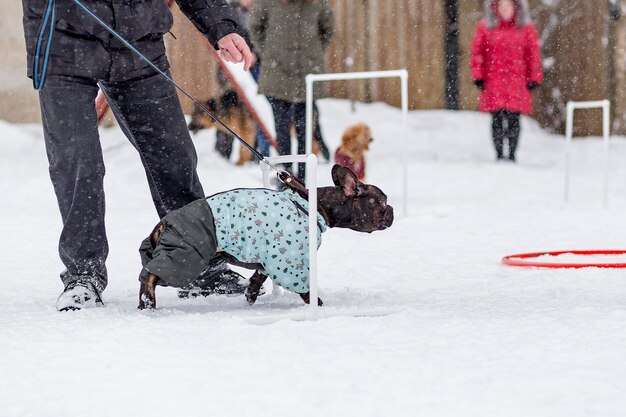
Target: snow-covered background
{"points": [[420, 320]]}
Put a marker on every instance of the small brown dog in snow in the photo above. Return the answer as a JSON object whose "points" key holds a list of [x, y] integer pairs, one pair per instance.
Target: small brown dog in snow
{"points": [[354, 143]]}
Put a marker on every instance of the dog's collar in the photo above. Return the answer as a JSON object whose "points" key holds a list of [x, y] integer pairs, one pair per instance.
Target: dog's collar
{"points": [[293, 184]]}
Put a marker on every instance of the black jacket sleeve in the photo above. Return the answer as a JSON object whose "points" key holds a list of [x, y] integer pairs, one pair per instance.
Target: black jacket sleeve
{"points": [[213, 18]]}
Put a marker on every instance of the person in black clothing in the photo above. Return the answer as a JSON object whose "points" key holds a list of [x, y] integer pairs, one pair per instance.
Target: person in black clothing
{"points": [[83, 56]]}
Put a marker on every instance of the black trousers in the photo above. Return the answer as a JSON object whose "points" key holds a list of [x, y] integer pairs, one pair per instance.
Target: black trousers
{"points": [[149, 112], [505, 125], [287, 113]]}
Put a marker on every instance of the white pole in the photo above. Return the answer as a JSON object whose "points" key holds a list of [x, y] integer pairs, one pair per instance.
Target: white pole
{"points": [[569, 126], [605, 105], [404, 78], [265, 171], [364, 75], [606, 109], [311, 169], [309, 119]]}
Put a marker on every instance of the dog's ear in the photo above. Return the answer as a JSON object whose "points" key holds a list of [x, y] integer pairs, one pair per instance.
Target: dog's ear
{"points": [[345, 179]]}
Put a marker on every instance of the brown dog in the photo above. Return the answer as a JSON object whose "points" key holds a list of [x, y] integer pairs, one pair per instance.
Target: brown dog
{"points": [[354, 143], [234, 114]]}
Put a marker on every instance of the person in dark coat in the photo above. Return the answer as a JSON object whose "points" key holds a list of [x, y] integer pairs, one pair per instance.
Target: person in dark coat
{"points": [[506, 66], [70, 56], [292, 37]]}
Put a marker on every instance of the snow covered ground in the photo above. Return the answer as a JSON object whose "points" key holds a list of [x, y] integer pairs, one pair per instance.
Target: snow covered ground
{"points": [[421, 319]]}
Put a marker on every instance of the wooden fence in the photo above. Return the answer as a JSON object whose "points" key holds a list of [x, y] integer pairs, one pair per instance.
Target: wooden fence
{"points": [[393, 34]]}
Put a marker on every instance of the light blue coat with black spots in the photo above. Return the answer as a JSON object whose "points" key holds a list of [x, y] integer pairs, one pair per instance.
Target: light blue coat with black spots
{"points": [[269, 228]]}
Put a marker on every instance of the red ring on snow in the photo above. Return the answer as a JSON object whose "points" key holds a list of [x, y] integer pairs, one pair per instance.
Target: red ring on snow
{"points": [[518, 260]]}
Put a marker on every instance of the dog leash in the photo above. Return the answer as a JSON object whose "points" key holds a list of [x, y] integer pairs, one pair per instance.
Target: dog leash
{"points": [[38, 82], [40, 78]]}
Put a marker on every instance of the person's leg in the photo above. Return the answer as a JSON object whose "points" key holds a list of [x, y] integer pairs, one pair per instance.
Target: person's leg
{"points": [[498, 133], [513, 133], [317, 134], [262, 143], [150, 114], [77, 170], [282, 119]]}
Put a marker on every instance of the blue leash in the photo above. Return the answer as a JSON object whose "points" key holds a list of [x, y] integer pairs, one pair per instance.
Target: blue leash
{"points": [[48, 20]]}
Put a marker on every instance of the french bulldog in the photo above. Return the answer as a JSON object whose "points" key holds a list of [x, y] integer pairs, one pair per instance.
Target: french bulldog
{"points": [[260, 229]]}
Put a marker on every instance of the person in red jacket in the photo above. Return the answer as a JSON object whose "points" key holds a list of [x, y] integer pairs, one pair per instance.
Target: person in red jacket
{"points": [[506, 66]]}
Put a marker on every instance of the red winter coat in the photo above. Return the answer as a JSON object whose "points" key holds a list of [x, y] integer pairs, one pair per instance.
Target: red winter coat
{"points": [[506, 58]]}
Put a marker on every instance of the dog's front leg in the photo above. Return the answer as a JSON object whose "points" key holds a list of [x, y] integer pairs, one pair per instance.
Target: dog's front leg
{"points": [[147, 293], [306, 297], [254, 287]]}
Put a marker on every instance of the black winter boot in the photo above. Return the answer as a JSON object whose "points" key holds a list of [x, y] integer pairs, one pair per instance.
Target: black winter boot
{"points": [[513, 133], [217, 279]]}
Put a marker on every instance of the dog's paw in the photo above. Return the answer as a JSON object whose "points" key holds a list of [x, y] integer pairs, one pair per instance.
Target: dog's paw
{"points": [[255, 287], [145, 303], [251, 296], [306, 298], [147, 297]]}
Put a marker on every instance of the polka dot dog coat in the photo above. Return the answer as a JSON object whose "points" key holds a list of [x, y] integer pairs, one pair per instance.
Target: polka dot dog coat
{"points": [[267, 227]]}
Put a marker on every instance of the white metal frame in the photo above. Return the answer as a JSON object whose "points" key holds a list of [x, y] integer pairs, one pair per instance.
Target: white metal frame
{"points": [[311, 185], [404, 86], [605, 105]]}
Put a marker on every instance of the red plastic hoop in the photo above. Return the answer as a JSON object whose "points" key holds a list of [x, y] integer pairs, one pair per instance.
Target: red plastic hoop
{"points": [[518, 260]]}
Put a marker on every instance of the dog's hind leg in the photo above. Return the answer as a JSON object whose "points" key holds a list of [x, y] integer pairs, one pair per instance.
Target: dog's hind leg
{"points": [[254, 287], [147, 293], [306, 297], [156, 234]]}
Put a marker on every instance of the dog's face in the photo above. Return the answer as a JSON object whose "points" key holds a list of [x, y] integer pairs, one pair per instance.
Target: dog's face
{"points": [[354, 205]]}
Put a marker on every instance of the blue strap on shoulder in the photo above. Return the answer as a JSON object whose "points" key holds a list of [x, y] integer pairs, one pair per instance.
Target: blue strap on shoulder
{"points": [[48, 21]]}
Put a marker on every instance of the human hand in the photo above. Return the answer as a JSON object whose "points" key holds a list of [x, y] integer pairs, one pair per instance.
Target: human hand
{"points": [[480, 84], [246, 4], [233, 48], [532, 85]]}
